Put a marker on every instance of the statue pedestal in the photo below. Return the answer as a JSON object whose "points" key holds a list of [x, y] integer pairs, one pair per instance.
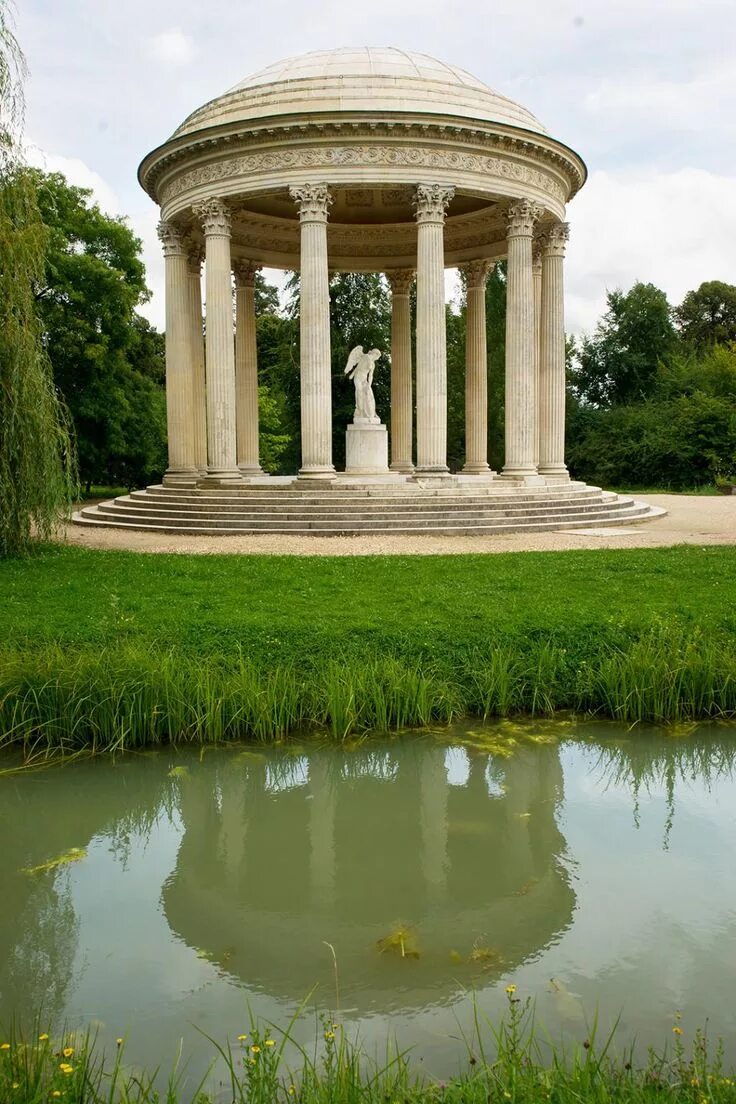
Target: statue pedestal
{"points": [[366, 450]]}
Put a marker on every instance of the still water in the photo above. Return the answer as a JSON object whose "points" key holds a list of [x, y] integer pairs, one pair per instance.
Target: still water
{"points": [[593, 866]]}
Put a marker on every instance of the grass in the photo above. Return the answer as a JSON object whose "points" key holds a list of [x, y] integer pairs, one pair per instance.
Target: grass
{"points": [[701, 489], [114, 649], [510, 1061]]}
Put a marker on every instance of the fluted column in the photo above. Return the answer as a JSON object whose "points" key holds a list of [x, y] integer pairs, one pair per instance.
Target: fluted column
{"points": [[402, 418], [476, 369], [521, 405], [431, 202], [221, 451], [313, 202], [195, 256], [246, 369], [537, 278], [181, 467], [552, 354]]}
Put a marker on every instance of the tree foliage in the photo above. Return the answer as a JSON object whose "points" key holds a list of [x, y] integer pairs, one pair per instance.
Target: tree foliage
{"points": [[37, 467], [707, 316], [107, 361]]}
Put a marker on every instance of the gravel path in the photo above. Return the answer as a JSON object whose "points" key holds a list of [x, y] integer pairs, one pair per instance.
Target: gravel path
{"points": [[691, 519]]}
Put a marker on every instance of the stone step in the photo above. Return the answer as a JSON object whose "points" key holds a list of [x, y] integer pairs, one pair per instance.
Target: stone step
{"points": [[335, 502], [349, 525], [356, 517], [636, 513]]}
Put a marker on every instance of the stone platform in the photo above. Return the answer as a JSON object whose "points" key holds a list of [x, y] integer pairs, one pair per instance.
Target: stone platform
{"points": [[353, 504]]}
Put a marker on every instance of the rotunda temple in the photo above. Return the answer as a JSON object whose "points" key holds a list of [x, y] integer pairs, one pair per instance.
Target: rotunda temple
{"points": [[364, 160]]}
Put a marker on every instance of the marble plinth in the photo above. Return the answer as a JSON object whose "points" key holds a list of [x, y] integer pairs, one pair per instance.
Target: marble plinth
{"points": [[366, 450]]}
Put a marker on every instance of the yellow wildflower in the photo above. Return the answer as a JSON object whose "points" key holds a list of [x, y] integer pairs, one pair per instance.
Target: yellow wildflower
{"points": [[252, 1061], [66, 1068], [510, 989], [270, 1042], [242, 1038], [16, 1085], [255, 1050], [4, 1046], [329, 1034], [291, 1090], [67, 1052], [119, 1041], [677, 1030], [43, 1038]]}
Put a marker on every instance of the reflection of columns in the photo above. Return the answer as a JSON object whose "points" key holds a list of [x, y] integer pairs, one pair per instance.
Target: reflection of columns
{"points": [[221, 451], [476, 368], [199, 408], [401, 280], [552, 354], [181, 468], [246, 368], [521, 407], [313, 201], [321, 831], [431, 202], [433, 788], [537, 278]]}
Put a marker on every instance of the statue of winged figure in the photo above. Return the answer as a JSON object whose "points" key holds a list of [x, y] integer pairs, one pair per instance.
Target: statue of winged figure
{"points": [[360, 368]]}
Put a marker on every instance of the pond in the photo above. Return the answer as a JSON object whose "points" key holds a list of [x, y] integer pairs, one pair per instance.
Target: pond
{"points": [[590, 865]]}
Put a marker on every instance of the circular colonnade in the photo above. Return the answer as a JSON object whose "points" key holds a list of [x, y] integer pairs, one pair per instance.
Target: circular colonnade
{"points": [[363, 160]]}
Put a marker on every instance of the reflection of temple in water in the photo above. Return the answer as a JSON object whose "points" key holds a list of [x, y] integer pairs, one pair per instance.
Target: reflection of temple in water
{"points": [[282, 854]]}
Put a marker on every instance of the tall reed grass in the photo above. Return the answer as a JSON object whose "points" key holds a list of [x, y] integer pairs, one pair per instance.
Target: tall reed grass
{"points": [[509, 1061], [67, 699]]}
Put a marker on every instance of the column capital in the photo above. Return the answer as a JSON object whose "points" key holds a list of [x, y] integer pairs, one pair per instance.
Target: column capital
{"points": [[400, 280], [245, 272], [475, 272], [522, 216], [171, 238], [554, 240], [431, 202], [313, 201], [214, 215], [195, 254]]}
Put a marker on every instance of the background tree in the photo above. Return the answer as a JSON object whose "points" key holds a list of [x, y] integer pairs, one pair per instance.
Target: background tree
{"points": [[618, 364], [707, 316], [37, 469], [108, 362]]}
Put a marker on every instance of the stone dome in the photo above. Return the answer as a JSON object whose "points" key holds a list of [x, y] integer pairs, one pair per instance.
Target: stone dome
{"points": [[376, 79]]}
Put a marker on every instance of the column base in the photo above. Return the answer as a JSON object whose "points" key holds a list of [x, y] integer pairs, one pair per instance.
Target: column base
{"points": [[477, 469], [219, 477], [554, 471], [402, 467], [249, 471], [180, 477], [528, 478], [314, 473]]}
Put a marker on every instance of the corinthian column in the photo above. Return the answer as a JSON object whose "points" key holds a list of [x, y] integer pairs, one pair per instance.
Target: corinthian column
{"points": [[195, 256], [537, 278], [521, 404], [221, 455], [313, 202], [552, 354], [476, 369], [179, 425], [401, 280], [246, 369], [431, 202]]}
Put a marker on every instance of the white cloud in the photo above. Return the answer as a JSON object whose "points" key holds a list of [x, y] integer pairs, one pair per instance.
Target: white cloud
{"points": [[685, 104], [77, 173], [672, 229], [172, 47]]}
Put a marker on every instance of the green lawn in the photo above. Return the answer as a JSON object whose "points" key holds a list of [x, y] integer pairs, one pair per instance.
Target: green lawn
{"points": [[116, 649], [285, 604]]}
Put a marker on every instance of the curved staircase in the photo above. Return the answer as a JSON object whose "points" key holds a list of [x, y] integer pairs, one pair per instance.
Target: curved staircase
{"points": [[390, 506]]}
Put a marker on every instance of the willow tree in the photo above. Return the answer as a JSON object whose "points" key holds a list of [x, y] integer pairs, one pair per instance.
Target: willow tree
{"points": [[37, 466]]}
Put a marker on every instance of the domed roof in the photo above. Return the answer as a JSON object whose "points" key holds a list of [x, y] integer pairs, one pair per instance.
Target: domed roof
{"points": [[375, 79]]}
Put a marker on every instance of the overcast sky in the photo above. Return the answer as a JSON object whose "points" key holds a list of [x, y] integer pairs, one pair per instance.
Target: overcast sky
{"points": [[644, 90]]}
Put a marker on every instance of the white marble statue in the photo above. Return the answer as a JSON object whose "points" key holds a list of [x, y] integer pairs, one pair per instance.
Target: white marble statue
{"points": [[359, 369]]}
